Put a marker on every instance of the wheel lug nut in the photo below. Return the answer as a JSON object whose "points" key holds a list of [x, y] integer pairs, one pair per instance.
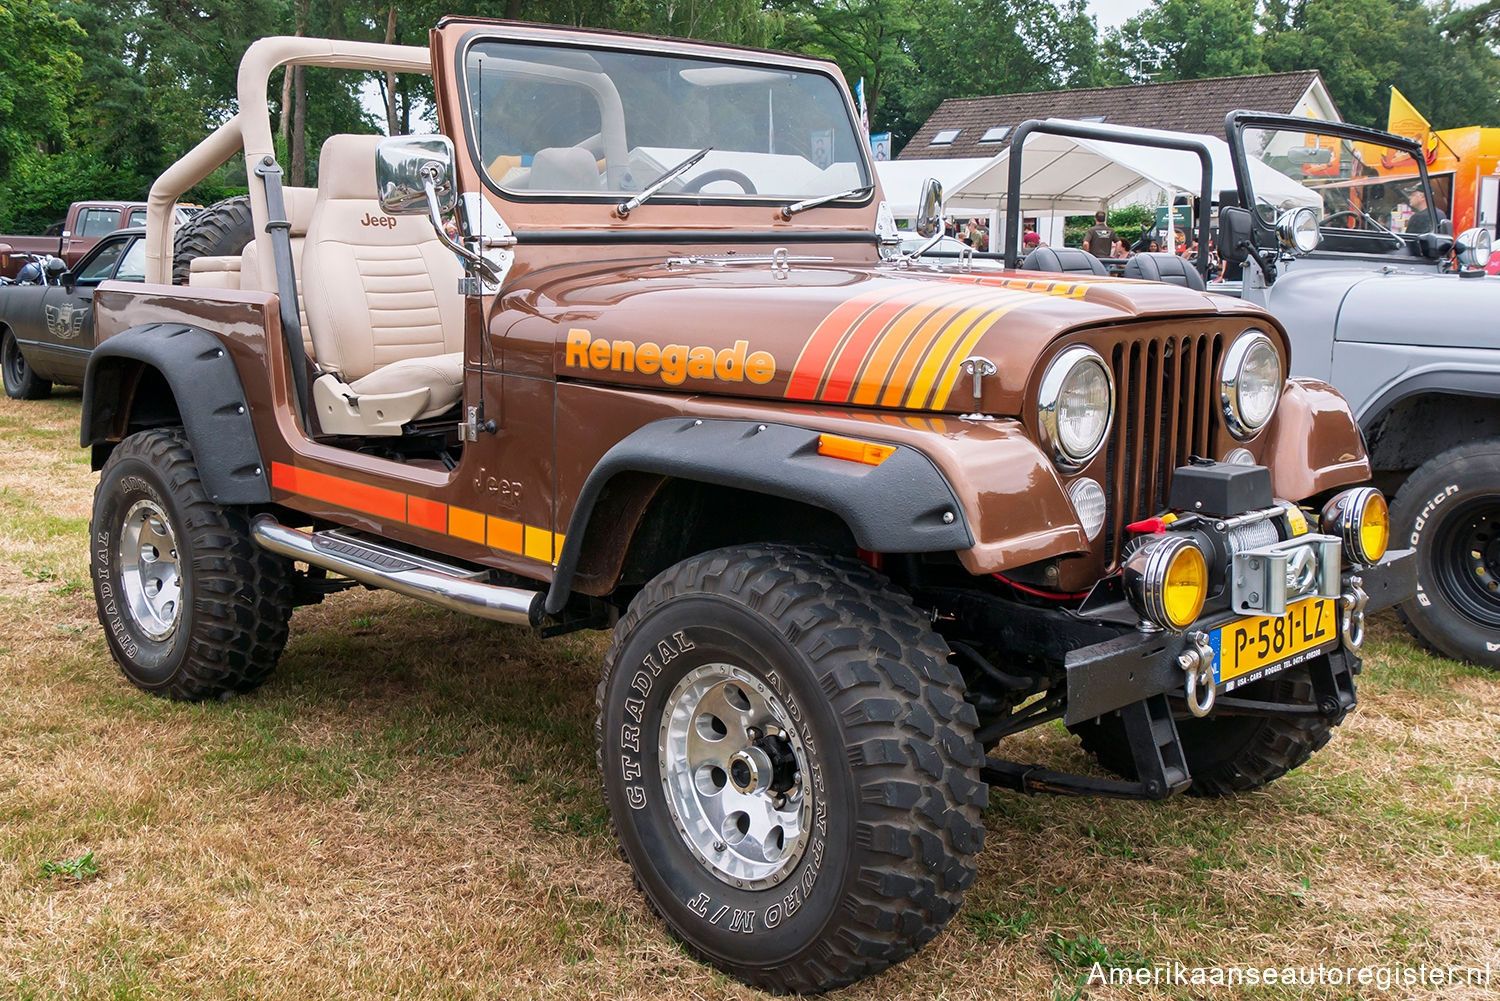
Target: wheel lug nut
{"points": [[718, 846], [753, 733]]}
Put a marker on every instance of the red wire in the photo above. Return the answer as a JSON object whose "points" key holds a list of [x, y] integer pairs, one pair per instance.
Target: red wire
{"points": [[1052, 595]]}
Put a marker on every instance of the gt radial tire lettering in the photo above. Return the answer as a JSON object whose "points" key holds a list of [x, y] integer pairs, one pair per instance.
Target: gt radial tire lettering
{"points": [[668, 649]]}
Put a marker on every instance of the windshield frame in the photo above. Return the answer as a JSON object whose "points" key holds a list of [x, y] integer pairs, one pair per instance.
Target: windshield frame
{"points": [[1236, 123], [669, 48]]}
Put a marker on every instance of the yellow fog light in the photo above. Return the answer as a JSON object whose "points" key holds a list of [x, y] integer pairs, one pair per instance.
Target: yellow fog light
{"points": [[1166, 581], [1361, 519]]}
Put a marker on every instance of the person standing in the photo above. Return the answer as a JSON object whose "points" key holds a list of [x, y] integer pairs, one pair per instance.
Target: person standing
{"points": [[1099, 240], [1423, 219]]}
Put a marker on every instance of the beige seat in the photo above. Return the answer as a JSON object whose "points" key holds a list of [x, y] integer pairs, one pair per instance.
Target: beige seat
{"points": [[299, 208], [383, 305], [214, 272]]}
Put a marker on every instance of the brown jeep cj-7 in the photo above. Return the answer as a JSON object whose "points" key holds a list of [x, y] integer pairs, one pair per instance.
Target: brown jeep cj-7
{"points": [[632, 345]]}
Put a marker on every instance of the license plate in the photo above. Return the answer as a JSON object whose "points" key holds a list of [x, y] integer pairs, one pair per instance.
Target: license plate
{"points": [[1257, 647]]}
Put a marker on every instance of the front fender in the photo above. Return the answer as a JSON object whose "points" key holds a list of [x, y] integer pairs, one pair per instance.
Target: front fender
{"points": [[902, 505], [209, 401], [1314, 444]]}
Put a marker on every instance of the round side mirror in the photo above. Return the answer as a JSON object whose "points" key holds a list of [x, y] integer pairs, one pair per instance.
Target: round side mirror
{"points": [[1474, 247], [930, 208], [1297, 229]]}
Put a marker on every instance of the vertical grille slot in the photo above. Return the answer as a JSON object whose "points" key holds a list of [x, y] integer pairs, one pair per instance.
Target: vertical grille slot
{"points": [[1166, 411]]}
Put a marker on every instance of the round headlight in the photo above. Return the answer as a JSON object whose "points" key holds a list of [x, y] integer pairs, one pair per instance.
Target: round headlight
{"points": [[1075, 404], [1474, 247], [1250, 383], [1297, 229], [1362, 520]]}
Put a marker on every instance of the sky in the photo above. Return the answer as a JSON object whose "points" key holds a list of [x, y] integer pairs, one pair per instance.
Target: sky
{"points": [[1113, 13]]}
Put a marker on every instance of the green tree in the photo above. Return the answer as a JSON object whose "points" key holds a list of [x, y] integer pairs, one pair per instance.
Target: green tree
{"points": [[38, 74], [1185, 40]]}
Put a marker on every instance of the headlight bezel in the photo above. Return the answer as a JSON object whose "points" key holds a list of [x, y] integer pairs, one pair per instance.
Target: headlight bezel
{"points": [[1231, 379], [1347, 515], [1049, 396]]}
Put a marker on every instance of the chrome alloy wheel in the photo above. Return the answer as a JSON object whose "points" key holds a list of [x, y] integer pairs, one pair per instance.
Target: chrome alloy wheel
{"points": [[150, 573], [732, 769]]}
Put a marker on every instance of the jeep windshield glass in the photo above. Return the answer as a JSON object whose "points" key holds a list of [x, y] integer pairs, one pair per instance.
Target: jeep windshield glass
{"points": [[569, 122], [1363, 192]]}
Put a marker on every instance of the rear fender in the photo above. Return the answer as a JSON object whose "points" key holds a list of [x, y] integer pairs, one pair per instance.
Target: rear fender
{"points": [[209, 402]]}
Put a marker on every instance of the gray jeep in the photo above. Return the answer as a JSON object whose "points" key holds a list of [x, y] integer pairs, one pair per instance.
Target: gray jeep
{"points": [[1329, 230]]}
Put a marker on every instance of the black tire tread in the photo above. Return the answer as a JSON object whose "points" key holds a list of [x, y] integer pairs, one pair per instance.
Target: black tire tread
{"points": [[242, 594], [1429, 636], [32, 386], [1263, 753], [909, 734], [222, 228]]}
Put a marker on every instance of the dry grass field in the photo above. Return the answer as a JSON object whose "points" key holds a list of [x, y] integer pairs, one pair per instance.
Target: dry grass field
{"points": [[409, 809]]}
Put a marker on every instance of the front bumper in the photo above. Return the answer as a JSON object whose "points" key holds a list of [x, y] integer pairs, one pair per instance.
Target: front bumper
{"points": [[1106, 676]]}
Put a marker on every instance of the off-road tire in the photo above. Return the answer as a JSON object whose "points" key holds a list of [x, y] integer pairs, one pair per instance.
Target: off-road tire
{"points": [[1227, 754], [220, 230], [225, 631], [891, 763], [1449, 512], [21, 380]]}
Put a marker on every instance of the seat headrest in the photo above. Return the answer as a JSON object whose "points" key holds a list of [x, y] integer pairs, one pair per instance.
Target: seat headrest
{"points": [[299, 207], [564, 168], [346, 167], [1167, 268], [1064, 260]]}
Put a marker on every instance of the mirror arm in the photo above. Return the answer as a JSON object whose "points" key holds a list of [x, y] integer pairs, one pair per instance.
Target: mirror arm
{"points": [[487, 271]]}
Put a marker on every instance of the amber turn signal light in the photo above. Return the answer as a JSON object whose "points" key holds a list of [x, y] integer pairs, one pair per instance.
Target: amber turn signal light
{"points": [[854, 450]]}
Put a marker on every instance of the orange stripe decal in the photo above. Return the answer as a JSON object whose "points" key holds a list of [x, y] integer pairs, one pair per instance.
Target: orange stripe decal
{"points": [[807, 373], [866, 334], [362, 497], [505, 534], [923, 322], [466, 524], [976, 318], [429, 514]]}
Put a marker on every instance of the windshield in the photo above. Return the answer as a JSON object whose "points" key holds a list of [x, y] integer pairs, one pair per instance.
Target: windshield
{"points": [[1364, 192], [554, 120]]}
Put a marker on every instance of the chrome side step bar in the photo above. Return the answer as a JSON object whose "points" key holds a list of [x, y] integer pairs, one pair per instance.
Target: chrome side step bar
{"points": [[414, 576]]}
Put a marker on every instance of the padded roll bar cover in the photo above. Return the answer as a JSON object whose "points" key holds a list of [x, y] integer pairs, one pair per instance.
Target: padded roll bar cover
{"points": [[1064, 260], [1164, 268]]}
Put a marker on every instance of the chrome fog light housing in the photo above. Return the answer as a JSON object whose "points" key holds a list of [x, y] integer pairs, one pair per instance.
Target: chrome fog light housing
{"points": [[1297, 229], [1075, 405], [1361, 519], [1166, 581], [1239, 457], [1474, 247], [1090, 505], [1250, 383]]}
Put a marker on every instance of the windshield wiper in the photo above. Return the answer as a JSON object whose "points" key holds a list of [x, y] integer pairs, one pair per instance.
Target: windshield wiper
{"points": [[787, 211], [624, 208]]}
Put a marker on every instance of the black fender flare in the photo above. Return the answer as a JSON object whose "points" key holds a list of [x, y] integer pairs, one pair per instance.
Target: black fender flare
{"points": [[902, 505], [1445, 382], [209, 396]]}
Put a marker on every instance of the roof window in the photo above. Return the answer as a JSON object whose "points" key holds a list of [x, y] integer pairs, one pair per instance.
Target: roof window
{"points": [[996, 134], [945, 137]]}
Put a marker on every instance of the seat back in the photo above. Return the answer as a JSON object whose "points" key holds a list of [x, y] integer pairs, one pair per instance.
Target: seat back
{"points": [[299, 207], [1167, 268], [378, 288], [1065, 260]]}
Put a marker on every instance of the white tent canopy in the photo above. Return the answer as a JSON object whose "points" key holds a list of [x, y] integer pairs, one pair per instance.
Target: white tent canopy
{"points": [[1076, 176], [902, 180]]}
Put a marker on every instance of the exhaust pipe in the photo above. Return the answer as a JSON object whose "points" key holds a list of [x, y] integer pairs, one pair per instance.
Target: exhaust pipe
{"points": [[512, 605]]}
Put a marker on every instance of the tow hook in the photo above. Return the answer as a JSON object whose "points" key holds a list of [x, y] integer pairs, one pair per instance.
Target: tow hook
{"points": [[1353, 626], [1198, 662]]}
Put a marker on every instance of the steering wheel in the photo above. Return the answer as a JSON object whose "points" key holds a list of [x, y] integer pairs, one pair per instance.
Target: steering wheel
{"points": [[719, 174], [1354, 215]]}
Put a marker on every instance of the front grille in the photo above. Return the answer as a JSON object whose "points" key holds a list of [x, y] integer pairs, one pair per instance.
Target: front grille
{"points": [[1167, 402]]}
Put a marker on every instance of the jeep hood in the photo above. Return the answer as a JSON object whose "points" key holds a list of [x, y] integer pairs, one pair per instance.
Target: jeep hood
{"points": [[1429, 309], [863, 336]]}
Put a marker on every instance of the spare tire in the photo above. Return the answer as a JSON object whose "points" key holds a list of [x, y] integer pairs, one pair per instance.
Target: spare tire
{"points": [[220, 230]]}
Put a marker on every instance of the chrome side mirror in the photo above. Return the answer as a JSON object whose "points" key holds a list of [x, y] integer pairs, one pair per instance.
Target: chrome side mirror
{"points": [[1297, 229], [930, 208], [406, 166]]}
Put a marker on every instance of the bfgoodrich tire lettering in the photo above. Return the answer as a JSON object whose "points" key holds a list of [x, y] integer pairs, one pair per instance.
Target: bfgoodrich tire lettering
{"points": [[1449, 512], [861, 688], [191, 607]]}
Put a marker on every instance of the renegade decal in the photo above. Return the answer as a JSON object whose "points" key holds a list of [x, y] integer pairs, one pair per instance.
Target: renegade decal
{"points": [[434, 516], [675, 363]]}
